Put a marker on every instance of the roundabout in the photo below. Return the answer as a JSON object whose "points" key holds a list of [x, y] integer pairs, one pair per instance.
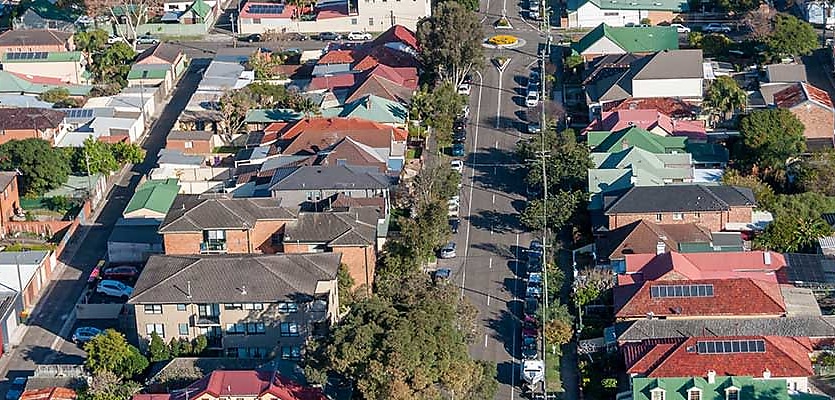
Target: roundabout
{"points": [[503, 42]]}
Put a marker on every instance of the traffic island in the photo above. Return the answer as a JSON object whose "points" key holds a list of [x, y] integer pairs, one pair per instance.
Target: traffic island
{"points": [[500, 63]]}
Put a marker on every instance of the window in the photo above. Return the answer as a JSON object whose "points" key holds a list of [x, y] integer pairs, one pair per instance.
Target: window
{"points": [[697, 215], [245, 328], [313, 196], [256, 20], [731, 393], [678, 216], [354, 21], [288, 307], [610, 14], [658, 217], [153, 309], [189, 144], [158, 328], [291, 352], [289, 329], [234, 306], [236, 329], [658, 394], [183, 329], [208, 310], [253, 306], [181, 307], [254, 328], [277, 239], [694, 394], [371, 21], [216, 235]]}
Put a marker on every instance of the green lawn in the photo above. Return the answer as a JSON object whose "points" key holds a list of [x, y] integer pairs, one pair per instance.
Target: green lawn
{"points": [[552, 373], [413, 153]]}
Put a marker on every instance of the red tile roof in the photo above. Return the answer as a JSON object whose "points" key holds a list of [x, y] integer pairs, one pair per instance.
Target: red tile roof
{"points": [[731, 297], [288, 12], [354, 153], [669, 106], [716, 265], [332, 11], [371, 57], [225, 384], [403, 76], [380, 87], [647, 119], [800, 93], [54, 393], [784, 357], [336, 82], [308, 135], [337, 57], [397, 33], [41, 80]]}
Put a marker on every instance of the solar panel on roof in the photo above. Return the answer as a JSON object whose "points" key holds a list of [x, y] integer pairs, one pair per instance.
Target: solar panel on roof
{"points": [[730, 346], [663, 291]]}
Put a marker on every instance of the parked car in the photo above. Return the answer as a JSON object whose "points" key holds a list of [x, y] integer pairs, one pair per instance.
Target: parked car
{"points": [[453, 209], [441, 274], [459, 136], [464, 89], [534, 77], [533, 127], [535, 279], [532, 99], [454, 200], [109, 287], [457, 165], [534, 264], [465, 111], [531, 307], [535, 247], [295, 37], [16, 388], [357, 36], [680, 28], [532, 87], [329, 36], [533, 14], [448, 251], [454, 223], [113, 39], [530, 324], [146, 39], [120, 272], [533, 292], [253, 38], [457, 149], [533, 191], [529, 347], [84, 334], [717, 28]]}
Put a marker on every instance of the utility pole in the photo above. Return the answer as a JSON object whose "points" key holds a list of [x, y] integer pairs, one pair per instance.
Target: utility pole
{"points": [[543, 156]]}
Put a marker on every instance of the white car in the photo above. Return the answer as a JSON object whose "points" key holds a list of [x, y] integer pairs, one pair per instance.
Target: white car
{"points": [[147, 39], [448, 251], [457, 165], [453, 209], [357, 36], [112, 39], [464, 89], [680, 28], [532, 99], [717, 28], [454, 200], [113, 288]]}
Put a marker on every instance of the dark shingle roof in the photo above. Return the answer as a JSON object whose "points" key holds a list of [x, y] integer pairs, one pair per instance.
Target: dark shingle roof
{"points": [[331, 177], [195, 213], [355, 227], [163, 51], [189, 135], [6, 178], [34, 37], [681, 198], [29, 118], [682, 328], [233, 278]]}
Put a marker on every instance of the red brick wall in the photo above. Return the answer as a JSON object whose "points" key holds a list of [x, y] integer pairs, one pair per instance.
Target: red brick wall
{"points": [[20, 134], [715, 221], [198, 146], [360, 262], [261, 235], [182, 243], [238, 241], [295, 247]]}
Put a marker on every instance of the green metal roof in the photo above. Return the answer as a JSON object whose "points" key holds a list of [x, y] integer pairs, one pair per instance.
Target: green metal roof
{"points": [[636, 39], [610, 142], [76, 186], [372, 108], [52, 56], [11, 83], [200, 8], [651, 5], [148, 71], [678, 388], [705, 247], [267, 116], [155, 195], [48, 10]]}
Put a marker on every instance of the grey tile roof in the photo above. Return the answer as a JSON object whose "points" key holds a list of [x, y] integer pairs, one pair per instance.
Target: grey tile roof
{"points": [[135, 234], [683, 328], [189, 135], [681, 198], [331, 177], [233, 278], [349, 228], [33, 257], [6, 178], [670, 64], [786, 73], [195, 213], [34, 37], [611, 81]]}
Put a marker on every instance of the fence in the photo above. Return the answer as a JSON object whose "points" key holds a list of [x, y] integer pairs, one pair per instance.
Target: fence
{"points": [[168, 29]]}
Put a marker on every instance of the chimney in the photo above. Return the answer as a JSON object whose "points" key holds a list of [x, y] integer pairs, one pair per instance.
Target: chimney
{"points": [[624, 144], [188, 289], [767, 374], [767, 257], [660, 248], [711, 376]]}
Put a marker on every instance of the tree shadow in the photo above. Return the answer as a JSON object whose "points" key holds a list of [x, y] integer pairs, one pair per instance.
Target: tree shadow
{"points": [[45, 355], [502, 123], [505, 371], [496, 222], [504, 329], [495, 248]]}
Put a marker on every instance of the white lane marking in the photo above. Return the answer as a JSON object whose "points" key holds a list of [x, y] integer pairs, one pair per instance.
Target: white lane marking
{"points": [[491, 263], [472, 183], [499, 102], [485, 340], [488, 299], [494, 198]]}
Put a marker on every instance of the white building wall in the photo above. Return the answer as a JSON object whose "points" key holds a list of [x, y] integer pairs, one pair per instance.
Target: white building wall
{"points": [[604, 46], [372, 16], [69, 72], [684, 88], [590, 16]]}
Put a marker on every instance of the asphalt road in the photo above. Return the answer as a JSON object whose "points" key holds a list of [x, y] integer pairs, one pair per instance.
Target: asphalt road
{"points": [[52, 322]]}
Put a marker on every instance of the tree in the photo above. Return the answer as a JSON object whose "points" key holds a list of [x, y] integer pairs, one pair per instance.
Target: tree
{"points": [[760, 21], [723, 97], [157, 349], [54, 95], [434, 183], [762, 192], [792, 36], [737, 6], [263, 63], [127, 153], [307, 107], [772, 137], [591, 283], [105, 385], [792, 233], [560, 209], [558, 332], [471, 5], [112, 65], [131, 13], [42, 167], [98, 157], [199, 344], [450, 42], [90, 41], [110, 352], [345, 287], [234, 105], [715, 44]]}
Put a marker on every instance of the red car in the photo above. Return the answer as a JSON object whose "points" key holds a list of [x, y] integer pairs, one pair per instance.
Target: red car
{"points": [[120, 272]]}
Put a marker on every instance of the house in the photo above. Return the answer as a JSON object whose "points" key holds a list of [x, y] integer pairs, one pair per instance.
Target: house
{"points": [[670, 73], [29, 122], [395, 84], [133, 240], [11, 306], [711, 206], [42, 14], [605, 39], [591, 13], [650, 120], [26, 272], [306, 186], [372, 108], [813, 107], [198, 12], [10, 200], [24, 84], [152, 199], [258, 118], [147, 70], [227, 299], [785, 73], [619, 171], [51, 393], [36, 40], [818, 12], [645, 237], [705, 155], [202, 224], [151, 75], [65, 66], [769, 357], [258, 384], [201, 112], [333, 15], [709, 386], [100, 123], [190, 142]]}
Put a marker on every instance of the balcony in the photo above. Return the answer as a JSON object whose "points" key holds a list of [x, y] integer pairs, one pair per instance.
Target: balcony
{"points": [[205, 320], [214, 342], [213, 247]]}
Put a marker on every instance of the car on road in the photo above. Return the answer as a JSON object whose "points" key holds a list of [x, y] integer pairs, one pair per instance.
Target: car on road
{"points": [[531, 307], [529, 347], [453, 209], [454, 223], [532, 99], [535, 247], [329, 36], [253, 38], [109, 287], [464, 89], [457, 149], [448, 251], [457, 165], [84, 334], [120, 272], [113, 39], [717, 28], [146, 39], [16, 388], [441, 275], [357, 36], [680, 28], [533, 127]]}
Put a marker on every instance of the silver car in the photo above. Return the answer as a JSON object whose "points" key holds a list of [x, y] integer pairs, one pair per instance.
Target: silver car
{"points": [[448, 251]]}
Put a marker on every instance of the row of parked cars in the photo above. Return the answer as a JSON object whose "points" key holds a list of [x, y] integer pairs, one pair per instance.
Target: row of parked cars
{"points": [[356, 36], [114, 282]]}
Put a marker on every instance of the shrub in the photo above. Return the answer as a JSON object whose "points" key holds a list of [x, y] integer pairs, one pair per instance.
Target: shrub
{"points": [[503, 40]]}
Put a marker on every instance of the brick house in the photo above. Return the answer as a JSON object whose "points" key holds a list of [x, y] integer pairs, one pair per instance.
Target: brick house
{"points": [[713, 207], [36, 40], [10, 199], [249, 384], [309, 186], [205, 224], [29, 122], [813, 107], [190, 142], [26, 272]]}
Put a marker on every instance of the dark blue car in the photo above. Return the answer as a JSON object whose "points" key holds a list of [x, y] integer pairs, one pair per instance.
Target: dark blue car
{"points": [[457, 149]]}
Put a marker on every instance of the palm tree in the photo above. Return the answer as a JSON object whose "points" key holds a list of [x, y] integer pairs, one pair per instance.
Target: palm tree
{"points": [[308, 107], [723, 97], [420, 107]]}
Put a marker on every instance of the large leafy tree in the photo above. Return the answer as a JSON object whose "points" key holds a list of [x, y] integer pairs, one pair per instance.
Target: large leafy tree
{"points": [[105, 385], [737, 6], [97, 157], [450, 41], [792, 233], [557, 212], [130, 13], [234, 105], [42, 167], [723, 97], [111, 352], [772, 137], [113, 64], [760, 21], [792, 36]]}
